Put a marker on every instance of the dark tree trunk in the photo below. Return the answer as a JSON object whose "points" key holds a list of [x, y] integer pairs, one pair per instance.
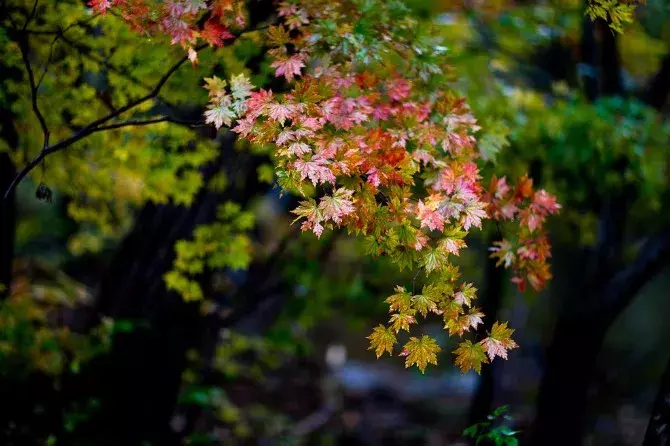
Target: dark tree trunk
{"points": [[138, 382], [582, 325], [7, 224], [570, 365], [491, 303], [658, 429]]}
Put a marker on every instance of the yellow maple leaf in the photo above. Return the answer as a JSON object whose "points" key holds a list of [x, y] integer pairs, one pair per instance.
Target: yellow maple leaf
{"points": [[382, 340], [420, 352], [470, 356], [423, 304], [499, 341], [400, 301], [402, 321]]}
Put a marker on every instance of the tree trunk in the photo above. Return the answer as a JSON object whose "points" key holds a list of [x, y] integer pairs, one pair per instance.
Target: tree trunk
{"points": [[7, 224], [491, 303], [581, 328], [658, 429], [569, 368], [138, 382]]}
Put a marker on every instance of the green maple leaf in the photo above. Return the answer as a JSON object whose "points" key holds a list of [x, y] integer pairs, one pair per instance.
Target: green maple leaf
{"points": [[470, 356], [435, 259], [423, 304], [400, 301], [421, 352], [382, 340], [402, 321], [499, 341]]}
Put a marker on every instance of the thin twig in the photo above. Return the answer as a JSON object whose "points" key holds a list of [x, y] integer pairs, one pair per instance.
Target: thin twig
{"points": [[25, 49], [60, 34], [30, 16], [138, 122]]}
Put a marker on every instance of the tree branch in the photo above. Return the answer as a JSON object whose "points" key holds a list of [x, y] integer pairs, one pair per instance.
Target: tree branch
{"points": [[139, 122], [25, 49], [60, 34], [622, 288], [93, 126], [30, 16]]}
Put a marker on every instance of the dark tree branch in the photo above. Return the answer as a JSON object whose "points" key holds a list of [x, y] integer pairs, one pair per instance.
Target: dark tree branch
{"points": [[58, 35], [139, 122], [623, 287], [93, 126], [657, 94], [25, 50], [30, 16], [658, 433]]}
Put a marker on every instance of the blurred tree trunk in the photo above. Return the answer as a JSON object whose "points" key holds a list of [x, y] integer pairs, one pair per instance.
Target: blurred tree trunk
{"points": [[138, 382], [482, 401], [658, 429], [7, 223], [7, 173], [585, 317]]}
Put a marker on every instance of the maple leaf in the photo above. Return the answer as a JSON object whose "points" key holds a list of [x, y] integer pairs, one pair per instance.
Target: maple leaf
{"points": [[452, 245], [219, 115], [400, 301], [470, 356], [504, 252], [465, 322], [423, 304], [465, 295], [316, 170], [215, 33], [547, 201], [299, 149], [435, 260], [399, 89], [277, 36], [338, 205], [193, 56], [382, 340], [499, 341], [289, 67], [309, 210], [281, 112], [429, 218], [420, 352], [100, 6], [402, 321], [240, 87], [474, 317], [473, 212], [258, 102], [214, 85], [244, 126]]}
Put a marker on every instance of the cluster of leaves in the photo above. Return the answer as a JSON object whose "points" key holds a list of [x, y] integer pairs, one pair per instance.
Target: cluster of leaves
{"points": [[215, 246], [618, 13], [528, 253], [180, 19], [229, 421], [392, 156], [138, 157], [494, 431], [33, 338]]}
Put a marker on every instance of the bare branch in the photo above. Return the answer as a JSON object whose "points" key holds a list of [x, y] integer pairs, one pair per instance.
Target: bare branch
{"points": [[60, 34], [25, 49], [30, 16], [138, 123], [622, 288]]}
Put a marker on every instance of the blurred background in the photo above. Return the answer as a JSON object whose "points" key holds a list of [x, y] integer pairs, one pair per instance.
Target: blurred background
{"points": [[162, 295]]}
